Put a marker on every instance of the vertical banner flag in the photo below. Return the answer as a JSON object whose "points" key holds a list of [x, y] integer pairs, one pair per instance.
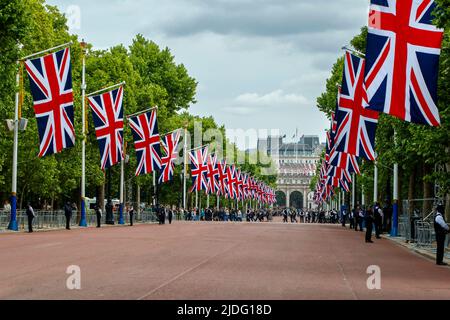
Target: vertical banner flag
{"points": [[356, 125], [146, 142], [222, 177], [199, 168], [51, 87], [169, 145], [231, 180], [107, 113], [212, 175], [403, 49]]}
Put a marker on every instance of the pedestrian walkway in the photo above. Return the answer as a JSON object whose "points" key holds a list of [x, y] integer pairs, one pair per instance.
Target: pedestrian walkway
{"points": [[214, 261]]}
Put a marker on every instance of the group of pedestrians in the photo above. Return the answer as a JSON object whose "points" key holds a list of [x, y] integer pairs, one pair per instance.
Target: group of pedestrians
{"points": [[370, 218]]}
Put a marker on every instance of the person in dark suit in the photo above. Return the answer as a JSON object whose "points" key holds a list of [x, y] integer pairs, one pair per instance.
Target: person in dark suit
{"points": [[131, 213], [68, 213], [369, 224], [98, 213], [441, 229], [31, 215], [170, 215]]}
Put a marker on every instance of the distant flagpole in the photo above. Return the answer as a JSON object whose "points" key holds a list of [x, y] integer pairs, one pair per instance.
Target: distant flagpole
{"points": [[83, 222], [184, 167]]}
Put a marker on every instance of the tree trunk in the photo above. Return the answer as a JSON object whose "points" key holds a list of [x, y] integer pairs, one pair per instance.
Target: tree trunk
{"points": [[427, 191], [411, 189], [101, 197], [138, 200]]}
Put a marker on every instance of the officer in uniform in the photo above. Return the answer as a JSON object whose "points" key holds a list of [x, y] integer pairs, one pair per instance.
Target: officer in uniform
{"points": [[369, 225], [31, 215], [68, 213], [441, 228]]}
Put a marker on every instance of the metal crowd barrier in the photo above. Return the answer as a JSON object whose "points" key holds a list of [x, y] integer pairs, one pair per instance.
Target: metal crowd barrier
{"points": [[57, 219], [424, 234]]}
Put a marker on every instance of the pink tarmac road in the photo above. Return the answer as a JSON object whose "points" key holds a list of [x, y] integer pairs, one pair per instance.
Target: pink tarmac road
{"points": [[214, 261]]}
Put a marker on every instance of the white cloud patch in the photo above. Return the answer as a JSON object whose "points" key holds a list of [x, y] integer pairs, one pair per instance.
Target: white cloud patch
{"points": [[249, 103]]}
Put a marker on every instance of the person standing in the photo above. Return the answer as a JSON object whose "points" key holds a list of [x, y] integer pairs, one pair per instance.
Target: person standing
{"points": [[98, 213], [378, 216], [31, 215], [351, 219], [170, 215], [131, 213], [369, 225], [441, 229], [68, 213]]}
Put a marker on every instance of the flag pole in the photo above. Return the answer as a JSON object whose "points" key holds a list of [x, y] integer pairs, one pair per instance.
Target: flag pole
{"points": [[184, 167], [106, 89], [347, 48], [68, 44], [13, 220], [122, 182], [83, 222], [375, 183], [395, 196], [154, 188], [141, 112]]}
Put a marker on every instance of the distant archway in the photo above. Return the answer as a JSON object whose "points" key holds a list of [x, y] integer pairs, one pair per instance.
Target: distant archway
{"points": [[281, 198], [296, 200]]}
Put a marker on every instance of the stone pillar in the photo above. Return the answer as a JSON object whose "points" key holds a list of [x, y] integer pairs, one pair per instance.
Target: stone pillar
{"points": [[288, 194], [305, 199]]}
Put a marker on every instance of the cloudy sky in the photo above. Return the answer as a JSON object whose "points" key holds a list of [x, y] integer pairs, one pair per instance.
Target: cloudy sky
{"points": [[260, 64]]}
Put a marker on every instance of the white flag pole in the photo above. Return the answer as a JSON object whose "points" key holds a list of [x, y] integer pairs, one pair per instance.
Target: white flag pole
{"points": [[83, 222], [184, 167]]}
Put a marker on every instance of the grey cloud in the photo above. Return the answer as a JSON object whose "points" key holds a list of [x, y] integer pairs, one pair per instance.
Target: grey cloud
{"points": [[265, 18]]}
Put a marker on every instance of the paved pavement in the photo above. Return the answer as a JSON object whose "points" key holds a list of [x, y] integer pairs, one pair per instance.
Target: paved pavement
{"points": [[214, 261]]}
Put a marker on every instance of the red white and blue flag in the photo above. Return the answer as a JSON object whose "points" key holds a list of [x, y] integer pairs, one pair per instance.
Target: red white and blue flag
{"points": [[356, 125], [199, 169], [51, 88], [240, 185], [169, 146], [107, 112], [231, 181], [222, 178], [213, 175], [146, 142], [403, 49]]}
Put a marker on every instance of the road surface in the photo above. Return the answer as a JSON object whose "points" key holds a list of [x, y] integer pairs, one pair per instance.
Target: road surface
{"points": [[229, 261]]}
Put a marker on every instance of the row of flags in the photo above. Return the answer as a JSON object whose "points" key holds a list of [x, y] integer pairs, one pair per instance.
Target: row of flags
{"points": [[398, 76], [51, 88], [216, 177]]}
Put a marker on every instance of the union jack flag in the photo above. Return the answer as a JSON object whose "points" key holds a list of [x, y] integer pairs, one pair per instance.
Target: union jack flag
{"points": [[213, 175], [222, 177], [146, 142], [169, 145], [199, 168], [107, 112], [403, 49], [232, 181], [344, 160], [239, 185], [356, 125], [51, 87]]}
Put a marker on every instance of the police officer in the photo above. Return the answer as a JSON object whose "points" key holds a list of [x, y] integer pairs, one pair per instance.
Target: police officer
{"points": [[31, 216], [98, 213], [378, 219], [441, 228], [170, 215], [68, 214], [131, 213], [369, 225]]}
